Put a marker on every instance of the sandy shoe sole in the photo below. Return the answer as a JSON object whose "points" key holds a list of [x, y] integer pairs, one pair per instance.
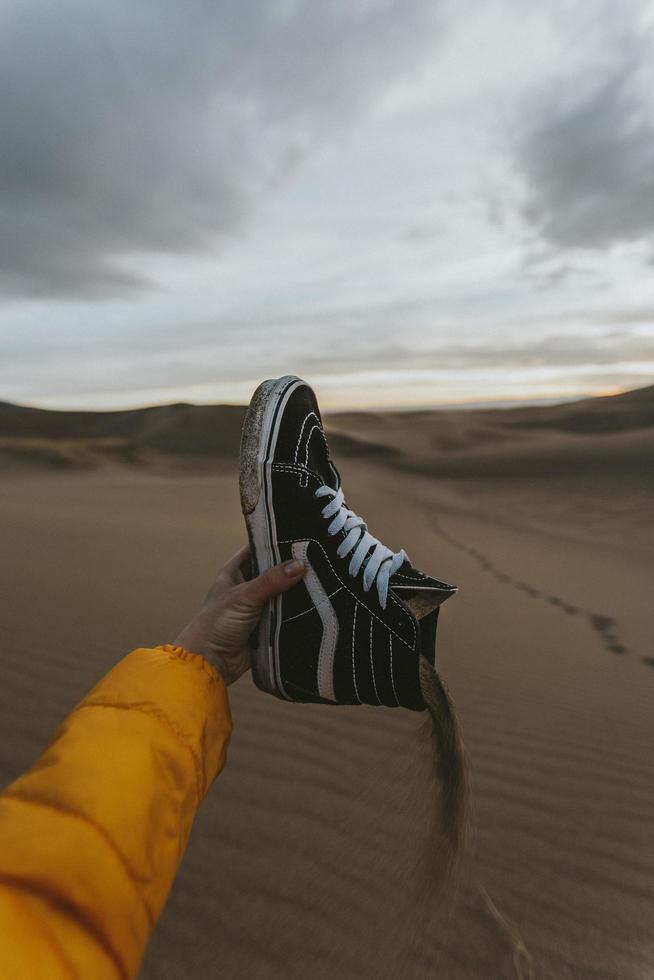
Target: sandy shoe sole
{"points": [[258, 442]]}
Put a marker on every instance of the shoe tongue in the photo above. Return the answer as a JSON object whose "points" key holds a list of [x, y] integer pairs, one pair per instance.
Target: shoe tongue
{"points": [[421, 593], [424, 597], [422, 602]]}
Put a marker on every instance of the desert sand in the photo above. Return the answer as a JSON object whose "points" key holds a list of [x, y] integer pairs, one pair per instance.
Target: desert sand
{"points": [[309, 858]]}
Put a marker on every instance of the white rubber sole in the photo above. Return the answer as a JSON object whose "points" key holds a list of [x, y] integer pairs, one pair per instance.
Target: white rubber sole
{"points": [[258, 442]]}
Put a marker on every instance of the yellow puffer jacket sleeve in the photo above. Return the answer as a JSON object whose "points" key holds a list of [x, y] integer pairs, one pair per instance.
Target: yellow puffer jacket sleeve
{"points": [[92, 835]]}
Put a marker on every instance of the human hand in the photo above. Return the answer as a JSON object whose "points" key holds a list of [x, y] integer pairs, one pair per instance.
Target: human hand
{"points": [[231, 610]]}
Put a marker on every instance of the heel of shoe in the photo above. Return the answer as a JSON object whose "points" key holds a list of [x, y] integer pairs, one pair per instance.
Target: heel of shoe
{"points": [[257, 444], [249, 479]]}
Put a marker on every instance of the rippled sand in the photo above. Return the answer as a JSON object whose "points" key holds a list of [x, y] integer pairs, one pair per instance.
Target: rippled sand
{"points": [[310, 857]]}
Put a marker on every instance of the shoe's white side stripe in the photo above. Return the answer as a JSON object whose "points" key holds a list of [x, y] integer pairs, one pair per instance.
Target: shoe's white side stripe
{"points": [[407, 616], [329, 619]]}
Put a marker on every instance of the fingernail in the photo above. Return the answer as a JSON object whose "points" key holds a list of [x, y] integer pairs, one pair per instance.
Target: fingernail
{"points": [[293, 568]]}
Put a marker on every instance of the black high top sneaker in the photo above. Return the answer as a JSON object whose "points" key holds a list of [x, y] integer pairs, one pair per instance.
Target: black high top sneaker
{"points": [[353, 630]]}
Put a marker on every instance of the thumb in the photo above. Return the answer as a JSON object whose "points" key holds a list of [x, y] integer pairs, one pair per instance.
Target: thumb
{"points": [[273, 582]]}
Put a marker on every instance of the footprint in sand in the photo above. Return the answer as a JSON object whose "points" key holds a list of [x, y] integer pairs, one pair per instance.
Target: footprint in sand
{"points": [[562, 605], [528, 590], [604, 626]]}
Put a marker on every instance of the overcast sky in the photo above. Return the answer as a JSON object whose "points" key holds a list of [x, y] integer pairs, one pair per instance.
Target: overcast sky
{"points": [[405, 201]]}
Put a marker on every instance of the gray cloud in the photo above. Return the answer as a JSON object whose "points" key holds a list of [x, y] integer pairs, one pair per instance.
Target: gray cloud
{"points": [[557, 350], [545, 270], [130, 128], [586, 150]]}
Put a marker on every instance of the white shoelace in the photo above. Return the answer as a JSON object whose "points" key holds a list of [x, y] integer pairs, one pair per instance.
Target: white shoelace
{"points": [[382, 562]]}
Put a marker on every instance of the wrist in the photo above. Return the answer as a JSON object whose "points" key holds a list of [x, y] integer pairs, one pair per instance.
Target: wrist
{"points": [[196, 642]]}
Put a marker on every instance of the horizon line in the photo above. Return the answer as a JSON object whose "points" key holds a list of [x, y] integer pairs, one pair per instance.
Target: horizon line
{"points": [[460, 405]]}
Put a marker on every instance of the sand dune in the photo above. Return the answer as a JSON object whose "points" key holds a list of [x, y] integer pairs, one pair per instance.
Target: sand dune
{"points": [[158, 437], [598, 434], [308, 857], [203, 430], [513, 442]]}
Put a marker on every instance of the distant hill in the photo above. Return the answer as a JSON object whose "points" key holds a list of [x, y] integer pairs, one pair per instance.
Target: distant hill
{"points": [[204, 430], [459, 442], [612, 413], [594, 436], [39, 438]]}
